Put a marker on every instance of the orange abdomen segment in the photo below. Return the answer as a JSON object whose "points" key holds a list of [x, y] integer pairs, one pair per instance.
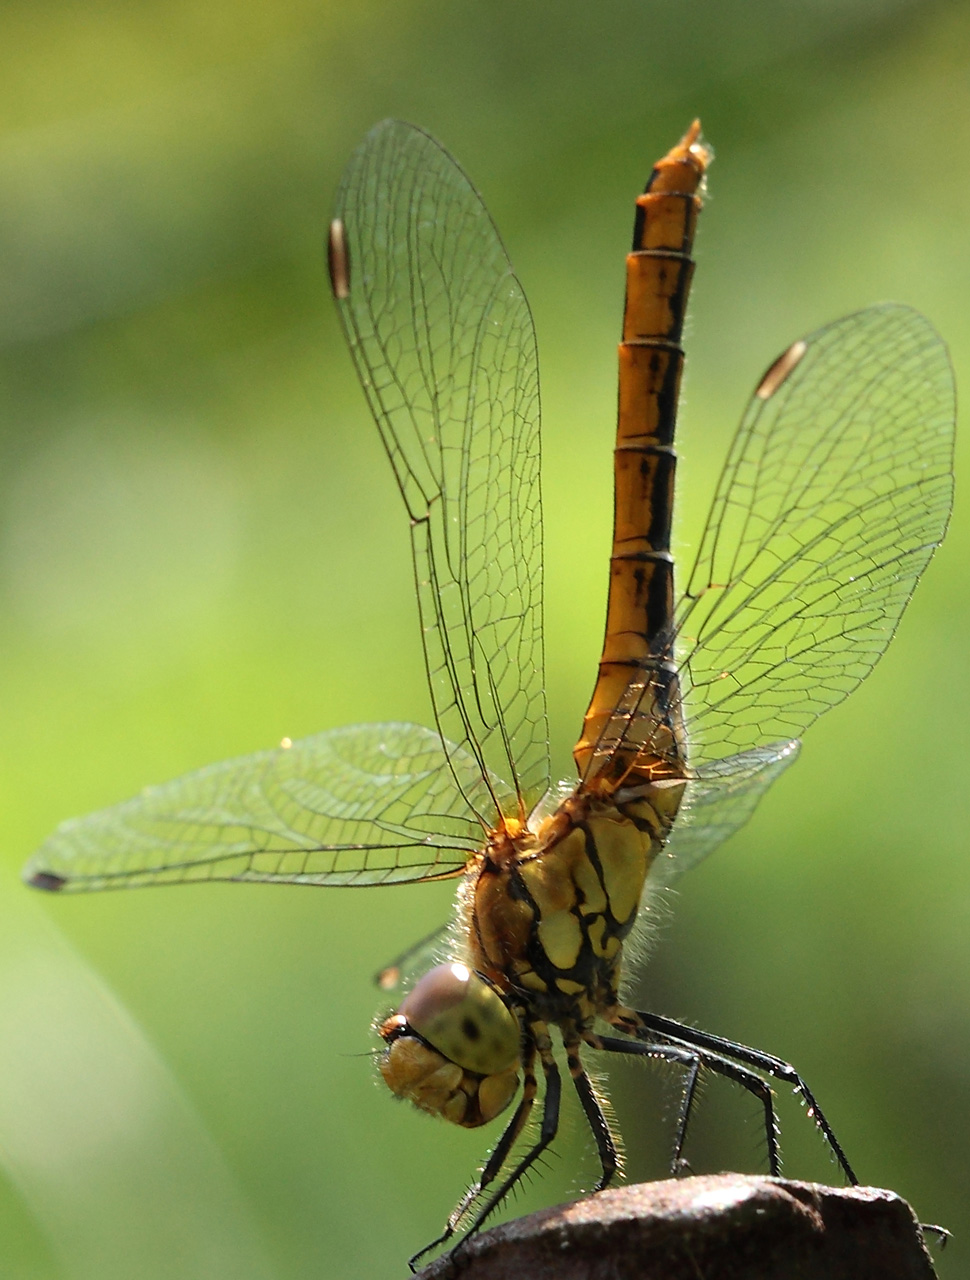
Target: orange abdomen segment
{"points": [[647, 737]]}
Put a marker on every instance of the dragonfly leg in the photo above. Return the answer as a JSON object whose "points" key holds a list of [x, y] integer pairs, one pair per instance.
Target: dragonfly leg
{"points": [[499, 1156], [678, 1165], [548, 1129], [777, 1068], [596, 1117], [694, 1059], [494, 1163], [941, 1234]]}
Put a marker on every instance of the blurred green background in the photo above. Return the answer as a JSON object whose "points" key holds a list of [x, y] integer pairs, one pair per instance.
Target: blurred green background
{"points": [[201, 552]]}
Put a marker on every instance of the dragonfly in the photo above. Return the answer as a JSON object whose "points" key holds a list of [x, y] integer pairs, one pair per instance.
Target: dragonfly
{"points": [[834, 495]]}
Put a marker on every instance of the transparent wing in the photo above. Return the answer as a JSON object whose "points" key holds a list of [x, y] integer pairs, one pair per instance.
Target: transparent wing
{"points": [[369, 804], [444, 344], [421, 956], [719, 800], [836, 491]]}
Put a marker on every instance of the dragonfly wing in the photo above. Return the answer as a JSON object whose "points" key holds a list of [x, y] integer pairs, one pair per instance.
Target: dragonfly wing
{"points": [[422, 955], [836, 491], [720, 798], [444, 344], [369, 804]]}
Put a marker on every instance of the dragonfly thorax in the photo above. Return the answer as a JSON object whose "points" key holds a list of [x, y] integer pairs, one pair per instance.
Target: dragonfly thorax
{"points": [[546, 919]]}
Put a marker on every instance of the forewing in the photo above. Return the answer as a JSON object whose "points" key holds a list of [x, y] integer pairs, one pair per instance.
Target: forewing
{"points": [[719, 800], [369, 804], [835, 494], [444, 344]]}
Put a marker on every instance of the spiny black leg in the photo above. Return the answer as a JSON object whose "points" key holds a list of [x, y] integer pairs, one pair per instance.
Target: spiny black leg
{"points": [[605, 1142], [941, 1233], [678, 1164], [547, 1131], [497, 1159], [494, 1163], [777, 1068], [689, 1057]]}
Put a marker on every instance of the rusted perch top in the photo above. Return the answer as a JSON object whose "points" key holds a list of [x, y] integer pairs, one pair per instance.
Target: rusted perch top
{"points": [[727, 1227]]}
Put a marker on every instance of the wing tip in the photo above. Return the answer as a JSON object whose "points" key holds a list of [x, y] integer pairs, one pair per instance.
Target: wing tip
{"points": [[50, 881], [338, 260]]}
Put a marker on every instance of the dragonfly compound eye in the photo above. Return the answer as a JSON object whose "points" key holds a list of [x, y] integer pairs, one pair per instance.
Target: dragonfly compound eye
{"points": [[453, 1047], [464, 1018]]}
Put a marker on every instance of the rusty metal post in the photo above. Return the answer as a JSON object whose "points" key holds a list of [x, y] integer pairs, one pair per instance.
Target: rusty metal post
{"points": [[727, 1227]]}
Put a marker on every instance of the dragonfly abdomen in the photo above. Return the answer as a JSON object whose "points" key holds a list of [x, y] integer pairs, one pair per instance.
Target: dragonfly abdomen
{"points": [[641, 592]]}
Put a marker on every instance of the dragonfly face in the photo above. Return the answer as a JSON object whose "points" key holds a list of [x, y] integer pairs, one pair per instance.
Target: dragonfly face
{"points": [[453, 1047], [834, 495]]}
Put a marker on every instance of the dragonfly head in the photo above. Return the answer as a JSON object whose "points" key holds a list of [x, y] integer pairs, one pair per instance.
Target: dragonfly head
{"points": [[453, 1047]]}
